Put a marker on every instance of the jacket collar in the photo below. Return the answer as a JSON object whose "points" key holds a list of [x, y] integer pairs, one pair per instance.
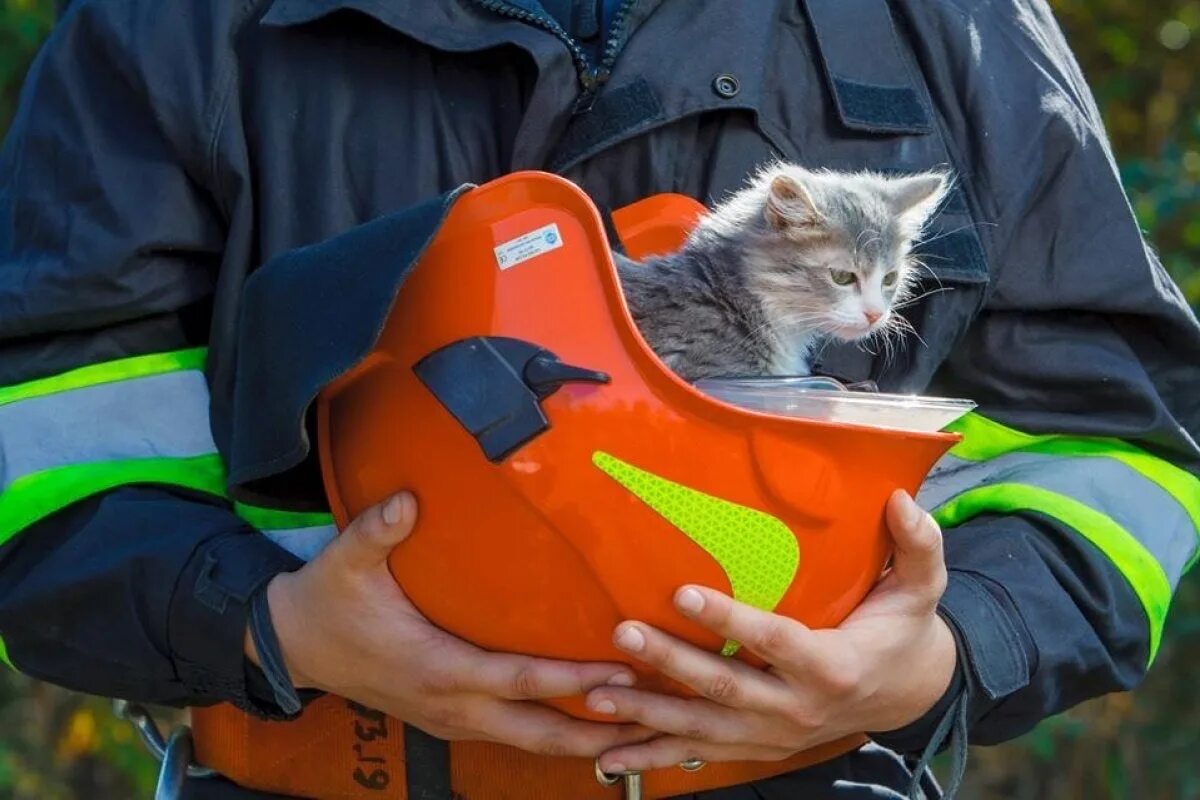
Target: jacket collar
{"points": [[646, 89], [464, 25], [447, 26]]}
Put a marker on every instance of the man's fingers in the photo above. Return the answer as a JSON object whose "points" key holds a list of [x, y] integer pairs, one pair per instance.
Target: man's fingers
{"points": [[670, 751], [369, 539], [718, 678], [775, 639], [918, 563], [692, 718], [542, 730], [803, 661], [524, 678]]}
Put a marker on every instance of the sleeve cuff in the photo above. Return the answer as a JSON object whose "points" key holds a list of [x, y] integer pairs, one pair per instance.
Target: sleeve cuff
{"points": [[994, 644], [914, 736], [996, 657], [208, 615], [271, 681]]}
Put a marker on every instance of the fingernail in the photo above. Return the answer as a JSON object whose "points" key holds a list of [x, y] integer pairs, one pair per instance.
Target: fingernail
{"points": [[394, 509], [621, 679], [631, 639], [615, 769], [689, 601], [603, 707]]}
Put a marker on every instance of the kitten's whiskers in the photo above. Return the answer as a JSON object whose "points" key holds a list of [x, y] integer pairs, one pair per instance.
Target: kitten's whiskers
{"points": [[903, 326], [912, 300], [959, 229], [914, 261]]}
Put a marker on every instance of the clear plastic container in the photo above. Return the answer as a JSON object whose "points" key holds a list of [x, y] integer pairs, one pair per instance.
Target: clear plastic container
{"points": [[828, 400]]}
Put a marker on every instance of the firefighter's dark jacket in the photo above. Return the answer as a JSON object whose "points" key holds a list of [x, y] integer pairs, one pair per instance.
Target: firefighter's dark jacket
{"points": [[165, 150]]}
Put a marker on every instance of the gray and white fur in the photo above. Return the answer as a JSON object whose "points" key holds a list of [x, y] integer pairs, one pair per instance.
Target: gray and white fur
{"points": [[792, 260]]}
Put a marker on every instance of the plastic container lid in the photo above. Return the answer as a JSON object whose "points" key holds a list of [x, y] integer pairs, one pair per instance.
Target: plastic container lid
{"points": [[826, 399]]}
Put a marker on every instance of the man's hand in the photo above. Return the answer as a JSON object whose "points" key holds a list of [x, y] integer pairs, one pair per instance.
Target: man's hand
{"points": [[345, 627], [884, 667]]}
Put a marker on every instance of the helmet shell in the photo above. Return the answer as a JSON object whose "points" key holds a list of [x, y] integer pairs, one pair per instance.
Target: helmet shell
{"points": [[638, 485]]}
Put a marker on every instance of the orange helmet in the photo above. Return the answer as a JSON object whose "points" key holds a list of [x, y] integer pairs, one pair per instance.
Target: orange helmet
{"points": [[567, 480]]}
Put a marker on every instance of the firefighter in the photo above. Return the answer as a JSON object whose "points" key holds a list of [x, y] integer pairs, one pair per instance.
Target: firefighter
{"points": [[165, 150]]}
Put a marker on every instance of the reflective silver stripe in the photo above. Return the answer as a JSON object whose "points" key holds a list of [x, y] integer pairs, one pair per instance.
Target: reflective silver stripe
{"points": [[154, 416], [1140, 506], [303, 543], [157, 416]]}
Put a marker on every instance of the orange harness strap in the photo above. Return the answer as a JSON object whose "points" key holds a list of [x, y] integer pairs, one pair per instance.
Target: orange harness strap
{"points": [[341, 751]]}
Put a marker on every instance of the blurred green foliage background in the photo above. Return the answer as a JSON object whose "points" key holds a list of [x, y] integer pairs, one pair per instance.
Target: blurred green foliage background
{"points": [[1142, 58]]}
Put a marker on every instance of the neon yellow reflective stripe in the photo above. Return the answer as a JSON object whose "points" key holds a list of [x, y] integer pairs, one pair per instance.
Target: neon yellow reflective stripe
{"points": [[36, 496], [269, 519], [985, 439], [759, 553], [1136, 563], [4, 654], [107, 372]]}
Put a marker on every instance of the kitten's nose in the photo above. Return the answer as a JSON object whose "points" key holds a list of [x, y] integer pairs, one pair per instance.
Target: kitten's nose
{"points": [[872, 315]]}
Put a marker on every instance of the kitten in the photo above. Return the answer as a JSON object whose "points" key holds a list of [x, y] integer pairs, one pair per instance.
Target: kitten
{"points": [[783, 265]]}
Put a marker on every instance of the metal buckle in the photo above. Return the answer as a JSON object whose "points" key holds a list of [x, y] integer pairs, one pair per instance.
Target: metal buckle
{"points": [[632, 780], [175, 754], [602, 777], [176, 764]]}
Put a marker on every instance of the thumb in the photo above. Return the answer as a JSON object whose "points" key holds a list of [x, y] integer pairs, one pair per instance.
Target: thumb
{"points": [[368, 540], [918, 564]]}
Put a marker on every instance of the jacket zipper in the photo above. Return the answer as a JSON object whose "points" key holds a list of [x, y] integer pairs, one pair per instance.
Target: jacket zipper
{"points": [[582, 63], [591, 76], [618, 34], [614, 42]]}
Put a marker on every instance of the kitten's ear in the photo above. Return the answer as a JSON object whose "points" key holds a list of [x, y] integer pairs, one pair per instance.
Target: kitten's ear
{"points": [[789, 204], [918, 196]]}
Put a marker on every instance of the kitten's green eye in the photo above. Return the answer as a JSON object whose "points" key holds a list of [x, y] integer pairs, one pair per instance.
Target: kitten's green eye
{"points": [[890, 278], [842, 277]]}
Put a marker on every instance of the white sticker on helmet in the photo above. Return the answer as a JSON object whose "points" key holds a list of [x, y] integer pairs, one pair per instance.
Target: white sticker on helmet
{"points": [[531, 245]]}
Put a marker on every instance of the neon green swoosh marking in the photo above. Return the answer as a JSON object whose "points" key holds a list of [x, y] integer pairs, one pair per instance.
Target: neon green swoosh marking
{"points": [[759, 553]]}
